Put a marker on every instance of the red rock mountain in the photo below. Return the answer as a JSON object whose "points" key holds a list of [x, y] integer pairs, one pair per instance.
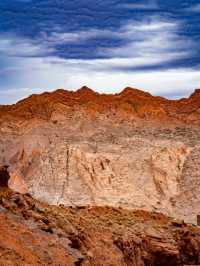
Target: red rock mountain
{"points": [[133, 103], [103, 167], [130, 150]]}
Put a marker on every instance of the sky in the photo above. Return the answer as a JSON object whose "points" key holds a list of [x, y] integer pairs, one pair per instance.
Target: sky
{"points": [[106, 45]]}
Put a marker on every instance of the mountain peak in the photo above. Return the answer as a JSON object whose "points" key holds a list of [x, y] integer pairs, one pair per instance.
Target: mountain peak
{"points": [[134, 91], [86, 90], [195, 94]]}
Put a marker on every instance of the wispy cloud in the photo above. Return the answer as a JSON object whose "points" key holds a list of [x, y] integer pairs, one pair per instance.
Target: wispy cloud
{"points": [[15, 46], [150, 42], [59, 37], [143, 43], [133, 30]]}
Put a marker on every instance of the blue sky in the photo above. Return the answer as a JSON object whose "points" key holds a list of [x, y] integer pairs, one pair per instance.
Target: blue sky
{"points": [[107, 45]]}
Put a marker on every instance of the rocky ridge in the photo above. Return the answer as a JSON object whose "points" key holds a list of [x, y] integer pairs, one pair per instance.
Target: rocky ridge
{"points": [[132, 104]]}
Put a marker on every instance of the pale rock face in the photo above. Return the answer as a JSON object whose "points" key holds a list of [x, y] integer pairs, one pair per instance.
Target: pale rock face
{"points": [[187, 202], [167, 166], [17, 183], [135, 173]]}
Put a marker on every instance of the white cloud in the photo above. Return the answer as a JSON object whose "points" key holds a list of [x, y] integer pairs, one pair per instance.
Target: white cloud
{"points": [[59, 37], [132, 30], [146, 42], [12, 45], [150, 41]]}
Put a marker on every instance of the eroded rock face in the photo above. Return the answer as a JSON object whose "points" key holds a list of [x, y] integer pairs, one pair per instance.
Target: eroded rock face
{"points": [[167, 167], [17, 183], [12, 180], [35, 233], [131, 150], [133, 173]]}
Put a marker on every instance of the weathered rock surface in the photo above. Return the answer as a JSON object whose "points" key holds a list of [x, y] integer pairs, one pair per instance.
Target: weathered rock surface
{"points": [[130, 150], [17, 183], [34, 233]]}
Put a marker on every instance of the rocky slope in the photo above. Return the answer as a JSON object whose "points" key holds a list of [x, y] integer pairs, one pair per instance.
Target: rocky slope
{"points": [[130, 150], [34, 233]]}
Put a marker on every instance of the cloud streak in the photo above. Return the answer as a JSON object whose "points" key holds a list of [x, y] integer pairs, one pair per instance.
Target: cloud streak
{"points": [[143, 43], [14, 46], [149, 43], [147, 5]]}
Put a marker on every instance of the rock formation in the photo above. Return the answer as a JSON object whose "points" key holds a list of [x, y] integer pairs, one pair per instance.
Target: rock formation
{"points": [[34, 233], [130, 150]]}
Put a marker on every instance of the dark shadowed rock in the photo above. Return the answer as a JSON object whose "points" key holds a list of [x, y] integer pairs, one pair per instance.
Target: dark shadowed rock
{"points": [[4, 176]]}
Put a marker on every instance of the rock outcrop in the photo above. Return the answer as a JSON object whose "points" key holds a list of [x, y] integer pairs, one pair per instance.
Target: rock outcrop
{"points": [[17, 183], [35, 233], [130, 150]]}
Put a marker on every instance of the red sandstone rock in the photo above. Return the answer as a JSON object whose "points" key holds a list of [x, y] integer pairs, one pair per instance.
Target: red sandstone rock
{"points": [[34, 233], [140, 104]]}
